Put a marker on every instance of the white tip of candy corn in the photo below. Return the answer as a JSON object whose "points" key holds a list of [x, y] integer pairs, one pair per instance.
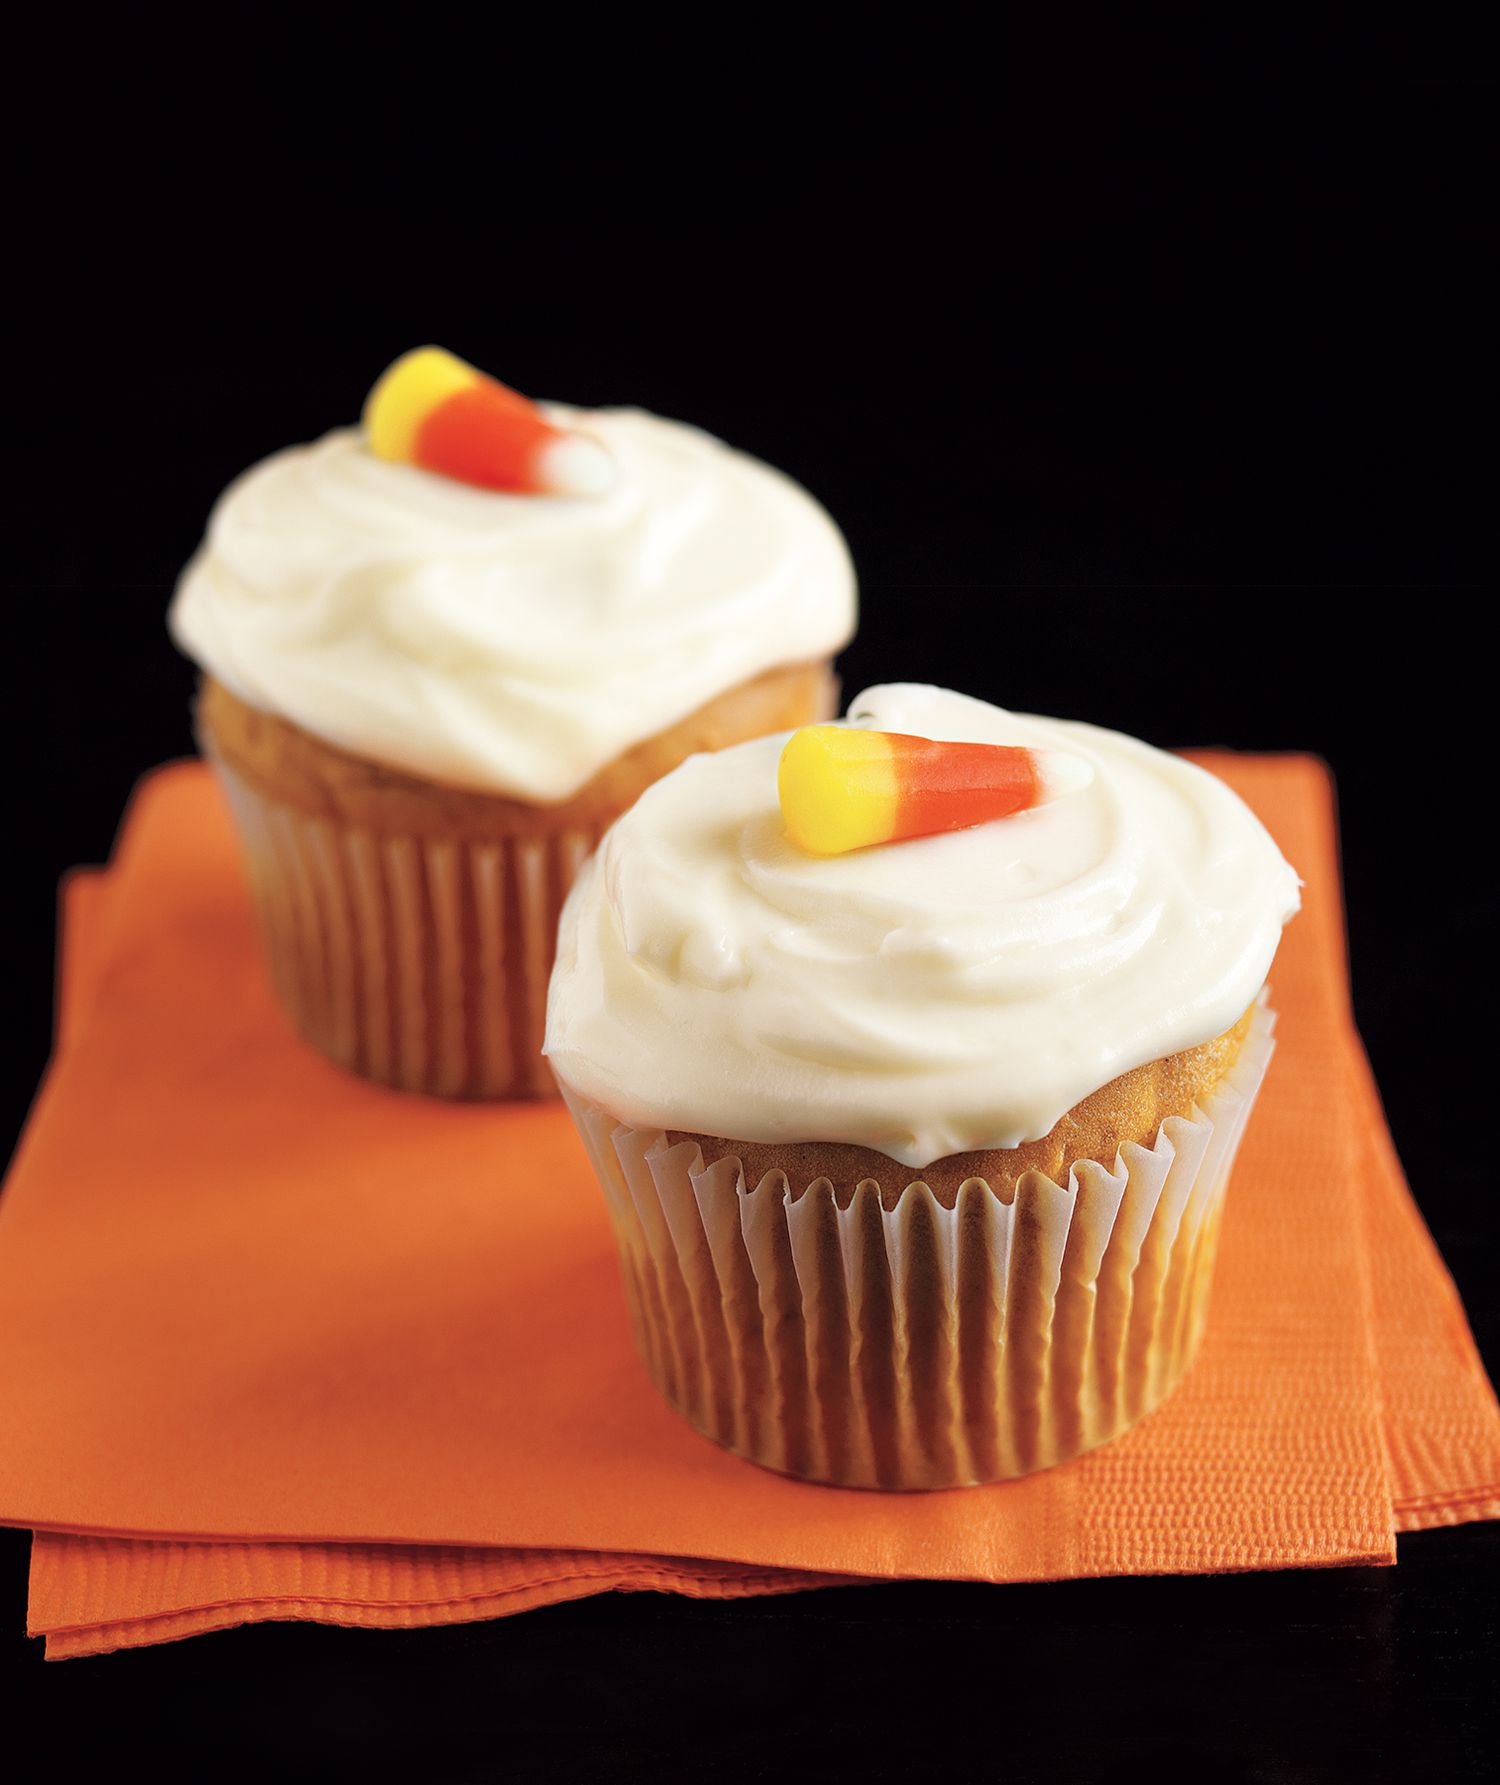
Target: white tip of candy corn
{"points": [[574, 465], [1061, 773]]}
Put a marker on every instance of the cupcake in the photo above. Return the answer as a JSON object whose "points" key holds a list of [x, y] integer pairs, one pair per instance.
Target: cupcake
{"points": [[441, 652], [915, 1149]]}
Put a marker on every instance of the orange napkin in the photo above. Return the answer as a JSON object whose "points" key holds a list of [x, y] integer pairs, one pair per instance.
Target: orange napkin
{"points": [[245, 1298]]}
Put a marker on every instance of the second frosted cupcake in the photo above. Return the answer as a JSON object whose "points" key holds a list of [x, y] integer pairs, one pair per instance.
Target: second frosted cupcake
{"points": [[442, 652]]}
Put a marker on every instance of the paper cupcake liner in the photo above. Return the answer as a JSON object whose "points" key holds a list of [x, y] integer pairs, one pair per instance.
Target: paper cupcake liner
{"points": [[413, 961], [921, 1346]]}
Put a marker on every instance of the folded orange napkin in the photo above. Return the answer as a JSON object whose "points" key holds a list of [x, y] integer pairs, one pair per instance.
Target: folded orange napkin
{"points": [[377, 1346]]}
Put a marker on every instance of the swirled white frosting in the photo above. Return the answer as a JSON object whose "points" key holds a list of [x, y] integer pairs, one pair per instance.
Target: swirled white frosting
{"points": [[923, 998], [510, 643]]}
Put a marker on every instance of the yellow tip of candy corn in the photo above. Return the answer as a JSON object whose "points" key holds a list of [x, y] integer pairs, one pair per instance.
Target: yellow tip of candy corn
{"points": [[406, 392], [838, 789]]}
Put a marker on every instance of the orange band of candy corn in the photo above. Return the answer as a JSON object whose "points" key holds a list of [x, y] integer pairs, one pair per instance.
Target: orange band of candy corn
{"points": [[432, 410], [842, 788]]}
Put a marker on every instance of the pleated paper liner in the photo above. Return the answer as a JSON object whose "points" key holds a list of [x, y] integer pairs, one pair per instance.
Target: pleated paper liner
{"points": [[422, 962], [414, 961], [920, 1346]]}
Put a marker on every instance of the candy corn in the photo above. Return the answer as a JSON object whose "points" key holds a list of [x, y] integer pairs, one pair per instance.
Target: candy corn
{"points": [[842, 788], [433, 410]]}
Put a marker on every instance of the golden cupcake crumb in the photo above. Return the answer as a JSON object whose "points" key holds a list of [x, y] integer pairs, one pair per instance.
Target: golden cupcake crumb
{"points": [[1130, 1108], [287, 764]]}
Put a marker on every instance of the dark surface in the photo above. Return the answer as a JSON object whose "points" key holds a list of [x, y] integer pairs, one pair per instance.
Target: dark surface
{"points": [[1171, 415]]}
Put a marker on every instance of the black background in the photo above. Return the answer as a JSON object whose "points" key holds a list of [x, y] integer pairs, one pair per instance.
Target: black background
{"points": [[1162, 402]]}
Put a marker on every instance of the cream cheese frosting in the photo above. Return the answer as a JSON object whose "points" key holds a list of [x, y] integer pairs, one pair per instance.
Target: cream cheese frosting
{"points": [[947, 994], [512, 644]]}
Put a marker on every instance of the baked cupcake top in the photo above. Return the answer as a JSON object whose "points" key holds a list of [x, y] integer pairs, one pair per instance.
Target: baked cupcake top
{"points": [[506, 642], [945, 994]]}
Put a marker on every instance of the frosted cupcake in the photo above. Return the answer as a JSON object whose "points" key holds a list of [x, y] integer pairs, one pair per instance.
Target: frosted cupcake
{"points": [[442, 651], [916, 1148]]}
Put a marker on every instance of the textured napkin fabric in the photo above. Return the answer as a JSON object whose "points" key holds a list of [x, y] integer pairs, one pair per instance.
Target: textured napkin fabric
{"points": [[375, 1349]]}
